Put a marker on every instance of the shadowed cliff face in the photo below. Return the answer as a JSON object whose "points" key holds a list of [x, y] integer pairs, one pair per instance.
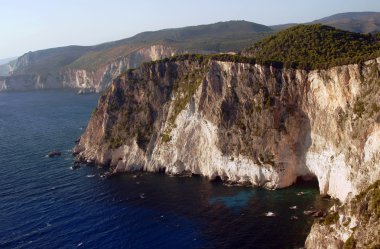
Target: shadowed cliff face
{"points": [[244, 123]]}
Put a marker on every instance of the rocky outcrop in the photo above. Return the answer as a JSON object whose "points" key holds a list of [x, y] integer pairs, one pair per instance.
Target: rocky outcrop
{"points": [[243, 123], [353, 225], [25, 77]]}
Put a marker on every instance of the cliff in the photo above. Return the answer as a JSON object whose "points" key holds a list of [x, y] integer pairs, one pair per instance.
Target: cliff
{"points": [[353, 225], [243, 123], [26, 75], [100, 77]]}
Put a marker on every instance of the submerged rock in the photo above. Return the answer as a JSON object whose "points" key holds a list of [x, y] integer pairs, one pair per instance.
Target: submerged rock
{"points": [[54, 154], [76, 165]]}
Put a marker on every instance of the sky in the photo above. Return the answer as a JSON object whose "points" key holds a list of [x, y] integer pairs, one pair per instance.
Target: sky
{"points": [[29, 25]]}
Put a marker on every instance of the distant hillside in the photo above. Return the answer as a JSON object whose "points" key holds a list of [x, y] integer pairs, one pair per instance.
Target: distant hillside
{"points": [[315, 46], [94, 67], [48, 60], [217, 37], [6, 60], [230, 36], [283, 26], [360, 22]]}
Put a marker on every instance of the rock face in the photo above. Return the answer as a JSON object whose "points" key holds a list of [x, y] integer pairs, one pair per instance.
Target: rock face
{"points": [[103, 76], [353, 225], [69, 77], [243, 123]]}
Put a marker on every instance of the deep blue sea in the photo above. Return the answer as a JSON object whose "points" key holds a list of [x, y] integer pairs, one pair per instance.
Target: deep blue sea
{"points": [[45, 204]]}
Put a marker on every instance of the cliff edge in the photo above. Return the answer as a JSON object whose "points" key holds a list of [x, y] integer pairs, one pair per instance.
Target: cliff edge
{"points": [[242, 122]]}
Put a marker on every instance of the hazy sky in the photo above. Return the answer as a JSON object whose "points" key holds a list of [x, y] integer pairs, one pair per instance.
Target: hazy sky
{"points": [[29, 25]]}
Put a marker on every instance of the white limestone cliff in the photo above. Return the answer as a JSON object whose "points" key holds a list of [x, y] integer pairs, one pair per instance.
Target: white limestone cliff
{"points": [[324, 138]]}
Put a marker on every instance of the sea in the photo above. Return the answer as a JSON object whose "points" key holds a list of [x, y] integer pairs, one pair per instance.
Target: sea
{"points": [[46, 204]]}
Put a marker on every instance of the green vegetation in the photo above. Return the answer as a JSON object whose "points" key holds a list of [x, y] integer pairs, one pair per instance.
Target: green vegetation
{"points": [[49, 61], [183, 89], [218, 37], [315, 46], [166, 138], [331, 218], [367, 203], [231, 36], [206, 58], [303, 46]]}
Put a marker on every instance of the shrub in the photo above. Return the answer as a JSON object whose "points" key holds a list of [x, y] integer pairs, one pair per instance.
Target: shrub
{"points": [[331, 218]]}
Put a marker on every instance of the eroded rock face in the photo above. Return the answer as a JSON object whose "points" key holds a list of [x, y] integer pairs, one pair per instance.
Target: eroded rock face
{"points": [[243, 123], [355, 224], [92, 80]]}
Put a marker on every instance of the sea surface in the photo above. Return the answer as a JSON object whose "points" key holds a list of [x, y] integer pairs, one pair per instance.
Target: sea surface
{"points": [[45, 204]]}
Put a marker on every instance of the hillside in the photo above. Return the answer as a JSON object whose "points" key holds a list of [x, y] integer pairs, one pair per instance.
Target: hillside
{"points": [[315, 46], [218, 37], [360, 22], [94, 67], [6, 60], [48, 60]]}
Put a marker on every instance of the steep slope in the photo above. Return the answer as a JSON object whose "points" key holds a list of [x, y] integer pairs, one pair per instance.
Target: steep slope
{"points": [[354, 225], [360, 22], [242, 122]]}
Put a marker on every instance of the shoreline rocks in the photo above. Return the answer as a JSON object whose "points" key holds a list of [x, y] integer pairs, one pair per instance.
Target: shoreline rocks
{"points": [[55, 153]]}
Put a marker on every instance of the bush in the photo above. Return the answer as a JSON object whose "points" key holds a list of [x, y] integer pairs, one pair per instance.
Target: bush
{"points": [[165, 137], [331, 218]]}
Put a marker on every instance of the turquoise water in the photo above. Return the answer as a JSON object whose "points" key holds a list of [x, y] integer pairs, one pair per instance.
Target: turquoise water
{"points": [[45, 204]]}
